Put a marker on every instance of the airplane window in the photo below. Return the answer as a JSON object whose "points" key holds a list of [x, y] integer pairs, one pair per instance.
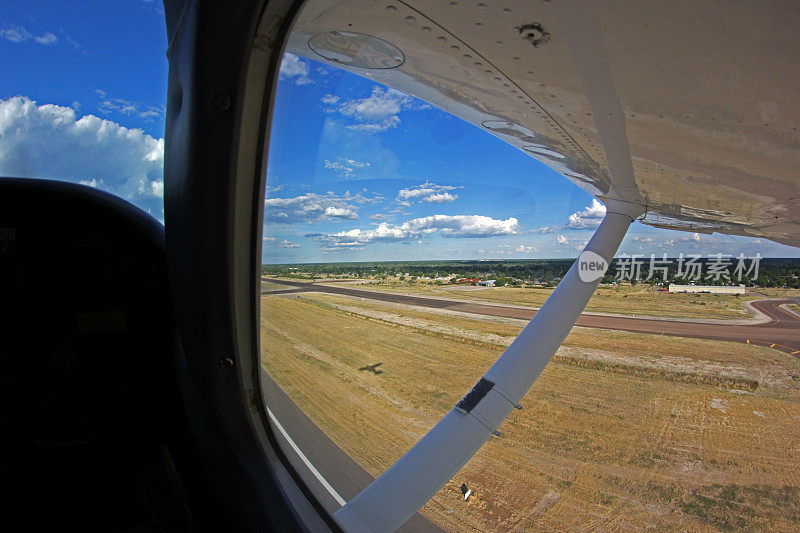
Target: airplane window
{"points": [[83, 98], [403, 249]]}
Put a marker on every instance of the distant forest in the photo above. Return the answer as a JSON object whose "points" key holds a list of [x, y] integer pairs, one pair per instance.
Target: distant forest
{"points": [[713, 271]]}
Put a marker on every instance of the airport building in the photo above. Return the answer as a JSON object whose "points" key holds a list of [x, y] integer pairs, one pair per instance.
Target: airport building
{"points": [[714, 289]]}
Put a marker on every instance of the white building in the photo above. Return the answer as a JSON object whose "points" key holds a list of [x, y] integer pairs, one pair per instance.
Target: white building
{"points": [[714, 289], [486, 283]]}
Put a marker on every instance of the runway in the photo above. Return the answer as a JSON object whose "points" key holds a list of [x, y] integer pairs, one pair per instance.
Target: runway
{"points": [[330, 464], [781, 333], [338, 478]]}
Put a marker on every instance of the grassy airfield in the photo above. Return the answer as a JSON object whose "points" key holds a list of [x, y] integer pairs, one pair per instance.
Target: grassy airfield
{"points": [[779, 293], [621, 431], [636, 300]]}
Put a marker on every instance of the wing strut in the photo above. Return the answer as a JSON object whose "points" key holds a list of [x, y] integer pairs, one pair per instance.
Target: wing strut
{"points": [[405, 487]]}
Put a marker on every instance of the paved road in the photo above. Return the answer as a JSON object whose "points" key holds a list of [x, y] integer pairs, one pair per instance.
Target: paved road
{"points": [[781, 333], [344, 476]]}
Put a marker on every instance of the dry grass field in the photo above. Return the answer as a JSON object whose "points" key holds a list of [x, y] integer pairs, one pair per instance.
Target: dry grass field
{"points": [[780, 293], [622, 430], [269, 286], [624, 299]]}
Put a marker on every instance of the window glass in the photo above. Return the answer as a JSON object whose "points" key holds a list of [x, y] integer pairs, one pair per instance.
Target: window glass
{"points": [[82, 97], [403, 249]]}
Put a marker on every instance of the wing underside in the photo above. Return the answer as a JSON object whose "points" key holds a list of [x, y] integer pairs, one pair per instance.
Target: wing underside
{"points": [[694, 105]]}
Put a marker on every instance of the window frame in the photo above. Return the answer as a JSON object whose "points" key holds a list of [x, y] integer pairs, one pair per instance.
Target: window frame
{"points": [[224, 64]]}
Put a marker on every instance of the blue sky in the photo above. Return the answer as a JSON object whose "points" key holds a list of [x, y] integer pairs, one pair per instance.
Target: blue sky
{"points": [[356, 172], [104, 58], [360, 172]]}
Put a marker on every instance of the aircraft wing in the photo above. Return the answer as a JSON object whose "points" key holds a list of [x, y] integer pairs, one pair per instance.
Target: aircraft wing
{"points": [[693, 105]]}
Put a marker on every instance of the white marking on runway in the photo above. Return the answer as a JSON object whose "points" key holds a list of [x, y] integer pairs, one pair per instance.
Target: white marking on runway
{"points": [[303, 457]]}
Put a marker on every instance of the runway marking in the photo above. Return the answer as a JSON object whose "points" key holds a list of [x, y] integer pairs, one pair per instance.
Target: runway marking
{"points": [[782, 347], [305, 460]]}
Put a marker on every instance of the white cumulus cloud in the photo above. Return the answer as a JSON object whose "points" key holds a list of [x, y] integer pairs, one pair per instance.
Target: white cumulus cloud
{"points": [[294, 69], [47, 38], [576, 242], [313, 207], [525, 249], [20, 34], [694, 238], [341, 212], [445, 225], [50, 141], [344, 166], [440, 198], [108, 105], [375, 113], [546, 229], [428, 192], [15, 34], [589, 217], [329, 99]]}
